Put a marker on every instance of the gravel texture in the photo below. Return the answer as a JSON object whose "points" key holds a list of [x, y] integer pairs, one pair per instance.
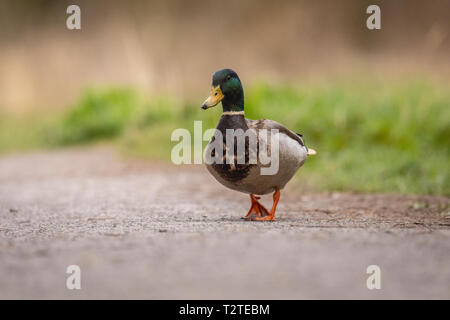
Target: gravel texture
{"points": [[157, 231]]}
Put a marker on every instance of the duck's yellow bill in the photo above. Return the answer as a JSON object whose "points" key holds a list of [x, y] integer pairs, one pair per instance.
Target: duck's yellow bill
{"points": [[215, 97]]}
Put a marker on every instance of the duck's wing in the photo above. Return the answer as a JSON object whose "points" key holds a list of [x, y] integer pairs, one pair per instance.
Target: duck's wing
{"points": [[270, 124]]}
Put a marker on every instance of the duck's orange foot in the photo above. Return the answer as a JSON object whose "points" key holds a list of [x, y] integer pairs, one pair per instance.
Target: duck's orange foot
{"points": [[271, 215], [256, 208], [266, 218]]}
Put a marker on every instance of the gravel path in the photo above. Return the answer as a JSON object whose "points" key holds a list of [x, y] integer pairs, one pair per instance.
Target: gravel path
{"points": [[141, 230]]}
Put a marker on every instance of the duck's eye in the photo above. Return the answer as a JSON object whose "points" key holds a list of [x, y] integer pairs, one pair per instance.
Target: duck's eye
{"points": [[215, 94], [228, 78]]}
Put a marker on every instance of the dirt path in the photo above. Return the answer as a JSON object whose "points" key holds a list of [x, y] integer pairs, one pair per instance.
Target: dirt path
{"points": [[158, 231]]}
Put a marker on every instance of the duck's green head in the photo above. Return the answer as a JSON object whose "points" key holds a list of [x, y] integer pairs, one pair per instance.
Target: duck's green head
{"points": [[226, 87]]}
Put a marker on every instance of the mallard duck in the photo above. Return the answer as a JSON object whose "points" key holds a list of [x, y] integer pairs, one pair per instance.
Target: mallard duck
{"points": [[246, 176]]}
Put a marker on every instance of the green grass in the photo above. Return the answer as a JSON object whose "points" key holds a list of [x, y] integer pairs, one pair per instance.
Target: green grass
{"points": [[25, 132], [370, 136], [99, 114]]}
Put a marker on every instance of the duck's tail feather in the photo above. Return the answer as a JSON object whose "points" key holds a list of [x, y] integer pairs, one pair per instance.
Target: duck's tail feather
{"points": [[311, 152]]}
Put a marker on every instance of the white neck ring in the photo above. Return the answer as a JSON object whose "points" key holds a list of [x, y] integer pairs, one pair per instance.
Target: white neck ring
{"points": [[232, 113]]}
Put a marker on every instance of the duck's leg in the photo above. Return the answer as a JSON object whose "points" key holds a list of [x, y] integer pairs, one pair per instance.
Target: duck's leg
{"points": [[271, 216], [256, 208]]}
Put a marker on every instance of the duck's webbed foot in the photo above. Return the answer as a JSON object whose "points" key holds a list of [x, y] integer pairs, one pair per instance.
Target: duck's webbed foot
{"points": [[271, 215], [256, 208]]}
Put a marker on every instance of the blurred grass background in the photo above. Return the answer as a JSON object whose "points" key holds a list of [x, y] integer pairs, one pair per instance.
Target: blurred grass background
{"points": [[374, 137], [374, 104]]}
